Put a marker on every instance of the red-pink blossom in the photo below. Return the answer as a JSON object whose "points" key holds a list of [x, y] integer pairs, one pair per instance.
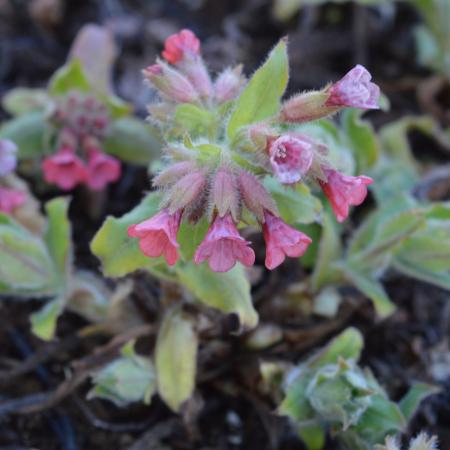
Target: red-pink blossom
{"points": [[102, 169], [355, 90], [158, 235], [11, 199], [223, 246], [282, 240], [291, 156], [181, 45], [343, 191], [64, 169]]}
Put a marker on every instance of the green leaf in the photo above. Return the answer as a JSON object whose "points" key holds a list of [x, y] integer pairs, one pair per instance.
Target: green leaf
{"points": [[228, 292], [330, 250], [260, 99], [133, 141], [119, 253], [346, 345], [372, 289], [126, 380], [58, 235], [362, 138], [176, 358], [296, 204], [190, 236], [25, 265], [27, 131], [43, 322], [70, 77], [194, 120], [313, 436], [412, 399], [20, 101]]}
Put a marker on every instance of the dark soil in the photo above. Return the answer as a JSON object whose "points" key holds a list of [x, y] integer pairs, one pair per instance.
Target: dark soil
{"points": [[228, 412]]}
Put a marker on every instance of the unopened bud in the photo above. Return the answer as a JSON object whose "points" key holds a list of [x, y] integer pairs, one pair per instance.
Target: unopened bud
{"points": [[186, 191], [171, 83], [225, 196], [173, 173], [255, 195], [228, 84], [198, 75]]}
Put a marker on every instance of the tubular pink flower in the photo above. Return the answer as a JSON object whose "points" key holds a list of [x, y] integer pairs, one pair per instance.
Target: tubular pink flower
{"points": [[223, 246], [8, 157], [291, 157], [343, 191], [282, 240], [64, 169], [354, 89], [11, 199], [181, 45], [158, 235], [102, 169]]}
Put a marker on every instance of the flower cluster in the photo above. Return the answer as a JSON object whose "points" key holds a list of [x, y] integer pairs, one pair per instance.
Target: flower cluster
{"points": [[222, 180], [10, 198], [81, 123]]}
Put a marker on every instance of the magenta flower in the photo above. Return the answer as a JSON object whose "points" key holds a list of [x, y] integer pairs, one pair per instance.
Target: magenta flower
{"points": [[282, 240], [223, 246], [11, 199], [291, 157], [64, 169], [102, 169], [158, 235], [343, 191], [8, 157], [179, 45], [355, 89]]}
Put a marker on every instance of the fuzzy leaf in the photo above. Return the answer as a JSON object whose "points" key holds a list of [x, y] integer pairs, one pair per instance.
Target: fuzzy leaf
{"points": [[228, 292], [418, 392], [133, 141], [21, 101], [313, 436], [119, 253], [260, 99], [43, 322], [176, 358], [70, 77]]}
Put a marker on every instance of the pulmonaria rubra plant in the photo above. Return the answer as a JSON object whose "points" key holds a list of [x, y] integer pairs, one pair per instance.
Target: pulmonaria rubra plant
{"points": [[79, 124], [221, 141], [10, 198]]}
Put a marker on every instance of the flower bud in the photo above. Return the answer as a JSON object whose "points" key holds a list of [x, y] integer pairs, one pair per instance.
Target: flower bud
{"points": [[305, 107], [171, 83], [198, 75], [10, 199], [173, 173], [8, 157], [180, 46], [228, 84], [186, 191], [225, 197], [255, 196]]}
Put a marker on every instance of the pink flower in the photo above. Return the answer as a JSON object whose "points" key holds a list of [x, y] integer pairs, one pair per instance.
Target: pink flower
{"points": [[101, 170], [64, 169], [223, 246], [291, 157], [158, 235], [282, 240], [355, 90], [11, 199], [8, 157], [343, 191], [178, 46]]}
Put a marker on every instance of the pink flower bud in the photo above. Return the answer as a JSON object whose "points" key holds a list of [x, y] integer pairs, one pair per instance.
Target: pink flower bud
{"points": [[186, 191], [10, 199], [305, 107], [228, 84], [255, 196], [64, 169], [158, 235], [8, 157], [355, 90], [180, 46], [282, 240], [198, 75], [291, 156], [173, 173], [343, 191], [171, 83], [223, 246], [102, 169], [224, 194]]}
